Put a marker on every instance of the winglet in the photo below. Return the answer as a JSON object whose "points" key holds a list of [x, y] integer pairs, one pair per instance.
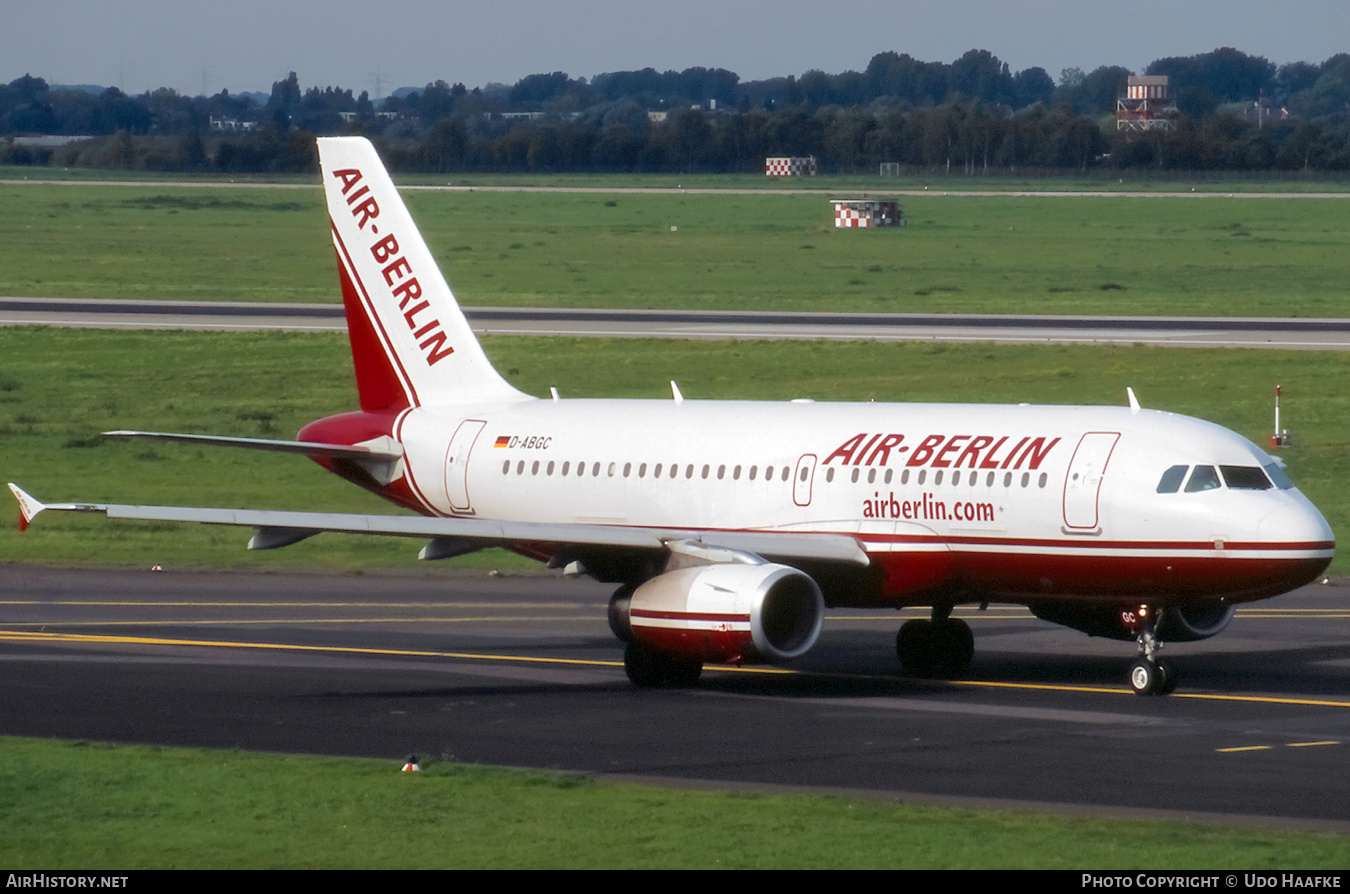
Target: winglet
{"points": [[28, 505]]}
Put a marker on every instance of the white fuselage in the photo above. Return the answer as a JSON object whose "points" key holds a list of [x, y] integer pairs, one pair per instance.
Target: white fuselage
{"points": [[1013, 500]]}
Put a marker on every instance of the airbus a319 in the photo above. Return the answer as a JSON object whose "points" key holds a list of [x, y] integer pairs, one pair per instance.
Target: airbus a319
{"points": [[730, 526]]}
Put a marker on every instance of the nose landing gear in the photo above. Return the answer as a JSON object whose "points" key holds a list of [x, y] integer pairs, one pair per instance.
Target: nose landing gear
{"points": [[1149, 675]]}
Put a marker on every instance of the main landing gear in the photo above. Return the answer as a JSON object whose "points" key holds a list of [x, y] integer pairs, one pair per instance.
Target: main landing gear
{"points": [[649, 669], [1150, 675], [940, 647], [646, 667]]}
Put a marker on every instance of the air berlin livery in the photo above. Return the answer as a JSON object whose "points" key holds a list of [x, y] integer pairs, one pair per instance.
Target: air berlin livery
{"points": [[729, 526]]}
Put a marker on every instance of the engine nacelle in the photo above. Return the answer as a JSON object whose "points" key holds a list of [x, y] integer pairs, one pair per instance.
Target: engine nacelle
{"points": [[1178, 624], [1185, 625], [728, 613]]}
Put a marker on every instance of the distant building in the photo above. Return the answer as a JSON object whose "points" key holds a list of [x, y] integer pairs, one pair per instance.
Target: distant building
{"points": [[790, 166], [229, 124], [1146, 105]]}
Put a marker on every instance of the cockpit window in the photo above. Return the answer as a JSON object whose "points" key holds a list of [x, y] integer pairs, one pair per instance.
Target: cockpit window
{"points": [[1203, 478], [1245, 477], [1170, 482], [1277, 475]]}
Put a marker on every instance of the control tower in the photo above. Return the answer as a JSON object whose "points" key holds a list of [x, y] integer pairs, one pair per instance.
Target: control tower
{"points": [[1146, 105]]}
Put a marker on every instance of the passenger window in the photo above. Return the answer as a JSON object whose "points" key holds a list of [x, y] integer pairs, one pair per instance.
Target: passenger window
{"points": [[1245, 477], [829, 474], [1170, 482], [1202, 479]]}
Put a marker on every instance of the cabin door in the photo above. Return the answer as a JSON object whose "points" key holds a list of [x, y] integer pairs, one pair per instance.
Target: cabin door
{"points": [[1083, 484], [802, 479], [457, 464]]}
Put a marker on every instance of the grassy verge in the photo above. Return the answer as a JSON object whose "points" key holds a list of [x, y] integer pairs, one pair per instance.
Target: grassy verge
{"points": [[1224, 256], [60, 388], [79, 805]]}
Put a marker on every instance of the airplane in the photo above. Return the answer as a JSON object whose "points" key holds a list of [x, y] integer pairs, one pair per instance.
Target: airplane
{"points": [[729, 526]]}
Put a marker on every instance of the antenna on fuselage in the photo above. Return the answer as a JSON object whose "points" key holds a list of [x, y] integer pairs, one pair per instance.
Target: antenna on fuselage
{"points": [[1134, 401], [1281, 436]]}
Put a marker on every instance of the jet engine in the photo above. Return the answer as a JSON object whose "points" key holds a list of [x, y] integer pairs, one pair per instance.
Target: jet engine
{"points": [[1179, 624], [1186, 625], [724, 613]]}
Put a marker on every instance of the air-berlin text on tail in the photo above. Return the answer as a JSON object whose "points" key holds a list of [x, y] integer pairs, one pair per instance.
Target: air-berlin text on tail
{"points": [[397, 272], [945, 451]]}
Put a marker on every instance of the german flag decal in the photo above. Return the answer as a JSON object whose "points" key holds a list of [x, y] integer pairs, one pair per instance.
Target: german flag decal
{"points": [[502, 441]]}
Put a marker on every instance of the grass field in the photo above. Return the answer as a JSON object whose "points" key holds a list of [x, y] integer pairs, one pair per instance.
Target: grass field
{"points": [[1216, 256], [60, 388], [78, 805]]}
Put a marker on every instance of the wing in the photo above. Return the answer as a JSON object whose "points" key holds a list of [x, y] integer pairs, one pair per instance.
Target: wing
{"points": [[454, 536]]}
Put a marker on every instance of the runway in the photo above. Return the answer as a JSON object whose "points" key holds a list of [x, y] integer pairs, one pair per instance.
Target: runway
{"points": [[523, 671], [1188, 332]]}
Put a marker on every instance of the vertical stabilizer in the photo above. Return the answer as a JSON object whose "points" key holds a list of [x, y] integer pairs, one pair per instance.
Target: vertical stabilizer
{"points": [[410, 341]]}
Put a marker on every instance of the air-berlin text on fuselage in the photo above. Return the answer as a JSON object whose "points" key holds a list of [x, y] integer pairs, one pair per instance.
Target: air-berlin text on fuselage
{"points": [[398, 273], [945, 451]]}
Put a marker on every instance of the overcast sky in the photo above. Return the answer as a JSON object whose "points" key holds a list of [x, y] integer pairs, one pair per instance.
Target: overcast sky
{"points": [[242, 45]]}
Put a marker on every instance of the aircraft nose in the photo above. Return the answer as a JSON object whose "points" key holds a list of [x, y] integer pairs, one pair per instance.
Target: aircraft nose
{"points": [[1296, 522]]}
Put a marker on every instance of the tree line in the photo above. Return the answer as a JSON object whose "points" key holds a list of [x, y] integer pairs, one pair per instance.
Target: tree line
{"points": [[971, 116]]}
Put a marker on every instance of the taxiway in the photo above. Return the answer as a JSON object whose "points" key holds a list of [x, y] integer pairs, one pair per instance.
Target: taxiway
{"points": [[523, 671]]}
